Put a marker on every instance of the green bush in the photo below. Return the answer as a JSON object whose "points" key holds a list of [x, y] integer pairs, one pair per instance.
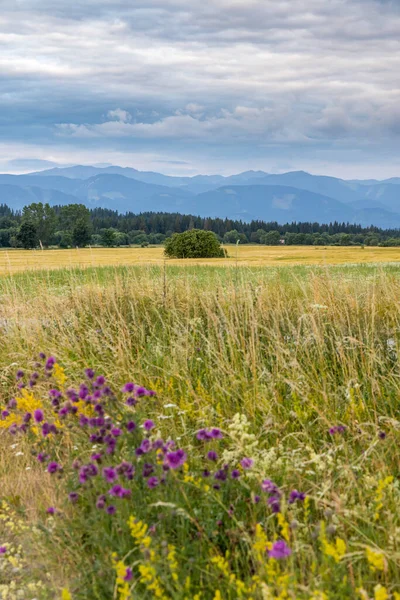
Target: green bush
{"points": [[195, 243]]}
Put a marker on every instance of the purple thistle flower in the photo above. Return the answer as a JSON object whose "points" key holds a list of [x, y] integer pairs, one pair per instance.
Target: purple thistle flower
{"points": [[20, 374], [83, 391], [89, 373], [235, 474], [203, 435], [38, 415], [116, 431], [131, 401], [73, 497], [100, 380], [111, 510], [5, 414], [256, 499], [41, 457], [145, 446], [221, 475], [3, 549], [128, 388], [55, 394], [148, 469], [12, 403], [270, 487], [83, 421], [247, 463], [115, 490], [97, 456], [101, 502], [51, 510], [274, 503], [205, 473], [128, 574], [109, 474], [148, 425], [176, 459], [50, 363], [152, 482], [216, 434], [42, 355], [53, 467], [27, 417], [140, 391], [279, 550], [295, 495], [212, 455], [381, 435]]}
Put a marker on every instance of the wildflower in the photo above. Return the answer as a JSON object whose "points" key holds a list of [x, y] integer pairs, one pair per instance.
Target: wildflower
{"points": [[382, 435], [42, 355], [274, 503], [203, 435], [145, 446], [376, 560], [279, 550], [212, 455], [101, 502], [111, 510], [51, 510], [38, 415], [41, 457], [5, 414], [152, 482], [235, 474], [20, 374], [50, 363], [216, 434], [270, 487], [109, 474], [295, 495], [175, 459], [247, 463], [148, 469], [100, 380], [148, 425], [337, 429], [73, 497], [256, 499], [116, 431], [53, 467], [131, 401], [221, 475], [128, 387], [3, 549], [128, 574], [89, 373]]}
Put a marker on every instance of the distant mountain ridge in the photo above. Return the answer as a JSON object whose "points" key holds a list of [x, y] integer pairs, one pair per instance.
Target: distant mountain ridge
{"points": [[292, 196]]}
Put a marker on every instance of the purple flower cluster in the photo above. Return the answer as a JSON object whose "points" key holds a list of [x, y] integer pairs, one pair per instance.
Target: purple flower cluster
{"points": [[279, 550], [206, 435], [274, 500], [337, 429]]}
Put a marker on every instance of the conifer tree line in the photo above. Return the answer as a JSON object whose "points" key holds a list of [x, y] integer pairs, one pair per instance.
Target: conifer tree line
{"points": [[74, 225]]}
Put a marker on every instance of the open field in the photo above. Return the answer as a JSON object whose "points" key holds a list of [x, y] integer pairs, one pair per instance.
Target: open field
{"points": [[296, 369], [12, 261]]}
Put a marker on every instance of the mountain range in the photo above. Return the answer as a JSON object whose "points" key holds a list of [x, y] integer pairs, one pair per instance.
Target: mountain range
{"points": [[286, 197]]}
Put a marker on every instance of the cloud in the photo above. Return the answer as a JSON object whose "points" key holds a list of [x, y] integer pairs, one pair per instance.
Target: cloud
{"points": [[205, 79]]}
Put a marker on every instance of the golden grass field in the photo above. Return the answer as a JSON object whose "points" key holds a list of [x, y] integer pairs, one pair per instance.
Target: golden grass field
{"points": [[12, 261]]}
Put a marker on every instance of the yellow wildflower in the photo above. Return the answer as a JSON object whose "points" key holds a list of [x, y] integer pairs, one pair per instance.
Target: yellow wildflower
{"points": [[375, 559], [380, 592]]}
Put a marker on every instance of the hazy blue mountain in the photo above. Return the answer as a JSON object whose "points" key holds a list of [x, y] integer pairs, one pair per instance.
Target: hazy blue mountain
{"points": [[16, 197], [271, 203], [252, 194]]}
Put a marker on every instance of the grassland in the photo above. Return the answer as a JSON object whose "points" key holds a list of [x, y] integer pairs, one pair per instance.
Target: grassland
{"points": [[12, 261], [297, 367]]}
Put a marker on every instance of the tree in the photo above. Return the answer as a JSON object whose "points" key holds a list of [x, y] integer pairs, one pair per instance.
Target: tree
{"points": [[108, 237], [195, 243], [81, 233], [27, 235], [271, 238], [43, 217]]}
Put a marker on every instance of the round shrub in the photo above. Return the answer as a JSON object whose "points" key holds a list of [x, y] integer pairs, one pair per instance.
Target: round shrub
{"points": [[195, 243]]}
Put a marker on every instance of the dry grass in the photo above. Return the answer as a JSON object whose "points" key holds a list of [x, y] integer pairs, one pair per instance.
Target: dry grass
{"points": [[12, 261]]}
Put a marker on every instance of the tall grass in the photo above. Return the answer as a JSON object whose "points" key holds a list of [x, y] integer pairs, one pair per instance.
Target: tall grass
{"points": [[295, 350]]}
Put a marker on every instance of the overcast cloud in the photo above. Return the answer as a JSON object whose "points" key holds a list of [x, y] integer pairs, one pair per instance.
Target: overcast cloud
{"points": [[187, 86]]}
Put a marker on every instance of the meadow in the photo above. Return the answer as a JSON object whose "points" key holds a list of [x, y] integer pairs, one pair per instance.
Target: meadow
{"points": [[200, 433], [12, 261]]}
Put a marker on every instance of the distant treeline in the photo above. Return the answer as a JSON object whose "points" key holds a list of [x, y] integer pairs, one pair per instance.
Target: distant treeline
{"points": [[75, 225]]}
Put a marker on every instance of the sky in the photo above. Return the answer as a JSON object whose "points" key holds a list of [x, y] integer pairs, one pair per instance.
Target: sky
{"points": [[186, 87]]}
